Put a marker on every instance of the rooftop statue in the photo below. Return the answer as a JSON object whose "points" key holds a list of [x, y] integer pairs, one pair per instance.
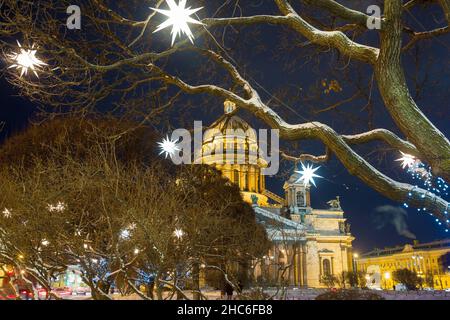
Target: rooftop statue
{"points": [[335, 204]]}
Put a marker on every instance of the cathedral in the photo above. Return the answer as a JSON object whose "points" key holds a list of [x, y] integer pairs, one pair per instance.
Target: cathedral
{"points": [[307, 244]]}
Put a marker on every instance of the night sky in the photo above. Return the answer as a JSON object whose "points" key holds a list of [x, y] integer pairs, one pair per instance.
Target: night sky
{"points": [[358, 201]]}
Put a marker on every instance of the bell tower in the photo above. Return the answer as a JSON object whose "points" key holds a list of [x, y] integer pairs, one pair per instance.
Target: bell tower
{"points": [[298, 197]]}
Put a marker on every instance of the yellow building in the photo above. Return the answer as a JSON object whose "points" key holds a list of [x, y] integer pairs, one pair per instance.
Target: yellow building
{"points": [[307, 243], [431, 262]]}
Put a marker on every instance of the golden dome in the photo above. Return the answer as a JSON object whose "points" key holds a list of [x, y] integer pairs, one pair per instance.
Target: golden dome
{"points": [[231, 145]]}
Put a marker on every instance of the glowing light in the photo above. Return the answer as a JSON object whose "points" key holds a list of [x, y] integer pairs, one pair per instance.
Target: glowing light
{"points": [[168, 147], [59, 207], [387, 275], [25, 60], [308, 174], [179, 18], [136, 251], [7, 213], [45, 242], [178, 233], [407, 160], [126, 233]]}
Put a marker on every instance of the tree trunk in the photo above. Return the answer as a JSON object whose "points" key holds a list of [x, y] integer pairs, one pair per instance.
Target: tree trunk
{"points": [[432, 144], [196, 281]]}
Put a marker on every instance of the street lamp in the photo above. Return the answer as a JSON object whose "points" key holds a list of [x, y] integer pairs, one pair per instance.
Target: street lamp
{"points": [[355, 265], [387, 276]]}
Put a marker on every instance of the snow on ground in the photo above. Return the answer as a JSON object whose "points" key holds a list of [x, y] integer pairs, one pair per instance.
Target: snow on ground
{"points": [[311, 294]]}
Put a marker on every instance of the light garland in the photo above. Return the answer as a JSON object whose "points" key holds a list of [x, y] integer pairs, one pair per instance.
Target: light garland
{"points": [[435, 185]]}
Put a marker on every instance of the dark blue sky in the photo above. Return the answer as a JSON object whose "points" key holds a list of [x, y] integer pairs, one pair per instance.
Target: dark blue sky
{"points": [[358, 201]]}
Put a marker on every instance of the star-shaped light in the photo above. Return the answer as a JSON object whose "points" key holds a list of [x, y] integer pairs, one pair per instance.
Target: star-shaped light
{"points": [[407, 160], [308, 174], [7, 213], [168, 147], [178, 17], [125, 234], [25, 60], [178, 233], [59, 207]]}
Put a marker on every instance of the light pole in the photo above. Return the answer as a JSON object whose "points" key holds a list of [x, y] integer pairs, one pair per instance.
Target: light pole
{"points": [[355, 264]]}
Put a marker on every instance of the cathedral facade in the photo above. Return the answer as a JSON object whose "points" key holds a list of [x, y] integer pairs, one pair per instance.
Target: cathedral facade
{"points": [[308, 245]]}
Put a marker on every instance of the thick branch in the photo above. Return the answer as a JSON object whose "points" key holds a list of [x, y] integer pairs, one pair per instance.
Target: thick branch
{"points": [[386, 136], [417, 36], [354, 163], [445, 4], [341, 11], [335, 39], [308, 157]]}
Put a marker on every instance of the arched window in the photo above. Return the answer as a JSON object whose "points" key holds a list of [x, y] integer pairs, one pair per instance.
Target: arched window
{"points": [[300, 199], [326, 267]]}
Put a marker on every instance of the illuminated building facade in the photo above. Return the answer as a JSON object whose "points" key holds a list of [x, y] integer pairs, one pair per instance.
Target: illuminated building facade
{"points": [[430, 261], [307, 244]]}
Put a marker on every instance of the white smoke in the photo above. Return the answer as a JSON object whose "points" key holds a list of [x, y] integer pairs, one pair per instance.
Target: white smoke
{"points": [[396, 216]]}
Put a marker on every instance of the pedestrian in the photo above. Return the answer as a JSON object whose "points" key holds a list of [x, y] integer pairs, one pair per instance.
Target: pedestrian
{"points": [[229, 290], [240, 286]]}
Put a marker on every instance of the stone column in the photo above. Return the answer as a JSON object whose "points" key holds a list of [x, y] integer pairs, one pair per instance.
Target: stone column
{"points": [[332, 265], [304, 269]]}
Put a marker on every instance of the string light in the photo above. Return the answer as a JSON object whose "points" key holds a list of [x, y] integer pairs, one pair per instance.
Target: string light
{"points": [[179, 18], [433, 185], [25, 59]]}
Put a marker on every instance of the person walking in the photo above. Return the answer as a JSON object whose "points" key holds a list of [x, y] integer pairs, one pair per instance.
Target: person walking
{"points": [[229, 290]]}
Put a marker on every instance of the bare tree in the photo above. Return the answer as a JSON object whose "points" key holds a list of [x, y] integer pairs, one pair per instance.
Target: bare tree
{"points": [[83, 197], [115, 59]]}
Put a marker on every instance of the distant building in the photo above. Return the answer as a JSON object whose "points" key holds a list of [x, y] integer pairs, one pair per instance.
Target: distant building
{"points": [[308, 244], [431, 262]]}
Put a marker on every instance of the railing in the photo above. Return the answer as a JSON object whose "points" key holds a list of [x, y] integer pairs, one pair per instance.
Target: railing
{"points": [[273, 196]]}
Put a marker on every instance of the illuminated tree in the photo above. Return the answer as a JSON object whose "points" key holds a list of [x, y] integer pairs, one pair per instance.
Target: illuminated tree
{"points": [[77, 194]]}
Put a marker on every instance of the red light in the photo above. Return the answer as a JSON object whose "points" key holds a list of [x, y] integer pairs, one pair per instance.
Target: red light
{"points": [[11, 296]]}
